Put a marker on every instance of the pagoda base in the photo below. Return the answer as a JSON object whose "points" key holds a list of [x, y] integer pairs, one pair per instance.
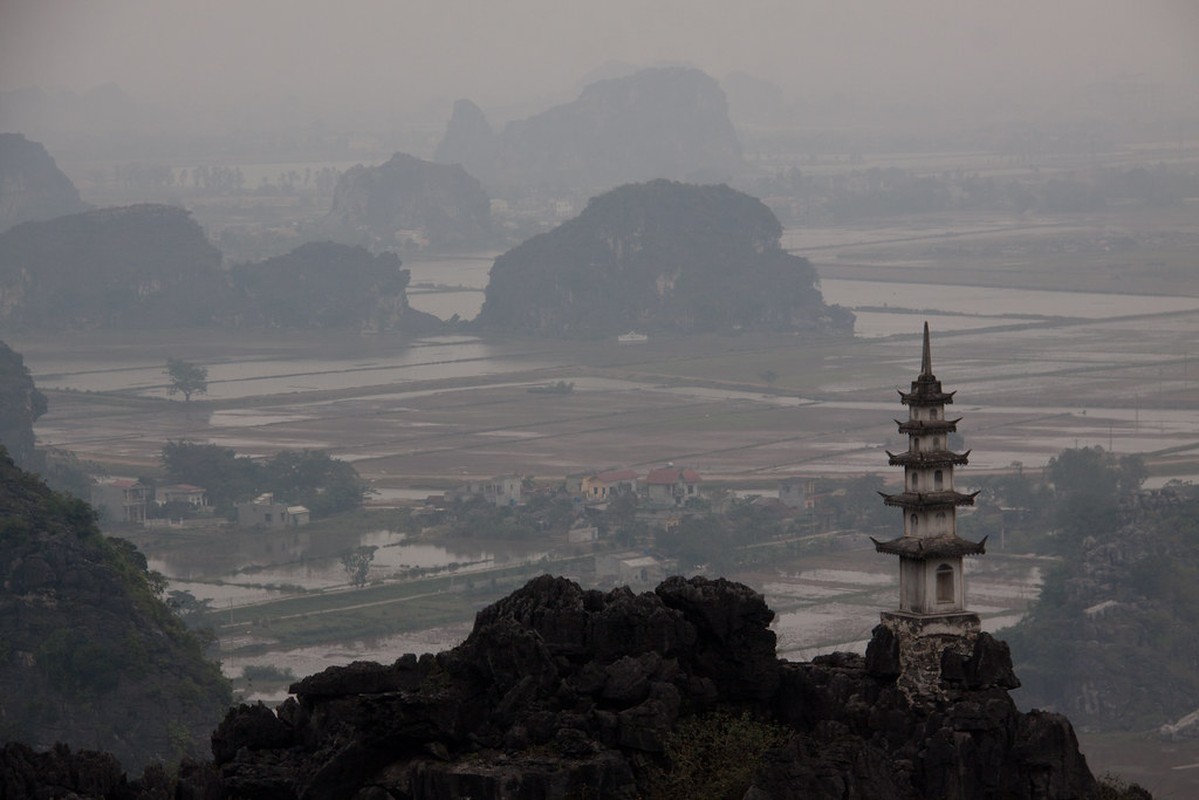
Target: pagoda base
{"points": [[922, 641]]}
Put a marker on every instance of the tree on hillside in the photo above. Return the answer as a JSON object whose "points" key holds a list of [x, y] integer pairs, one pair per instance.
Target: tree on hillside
{"points": [[186, 378]]}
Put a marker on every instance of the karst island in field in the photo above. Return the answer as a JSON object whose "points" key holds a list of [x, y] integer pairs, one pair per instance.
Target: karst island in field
{"points": [[658, 257]]}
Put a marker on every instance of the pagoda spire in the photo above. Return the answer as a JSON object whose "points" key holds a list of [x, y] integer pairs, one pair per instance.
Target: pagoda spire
{"points": [[926, 356]]}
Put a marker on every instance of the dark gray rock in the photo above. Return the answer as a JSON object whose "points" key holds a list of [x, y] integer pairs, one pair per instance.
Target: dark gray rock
{"points": [[544, 699]]}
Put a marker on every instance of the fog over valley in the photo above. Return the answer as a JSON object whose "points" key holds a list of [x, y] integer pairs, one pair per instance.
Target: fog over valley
{"points": [[222, 64], [671, 399]]}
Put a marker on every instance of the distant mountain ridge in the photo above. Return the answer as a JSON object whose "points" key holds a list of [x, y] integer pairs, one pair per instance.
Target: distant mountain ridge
{"points": [[32, 187], [659, 256], [670, 122]]}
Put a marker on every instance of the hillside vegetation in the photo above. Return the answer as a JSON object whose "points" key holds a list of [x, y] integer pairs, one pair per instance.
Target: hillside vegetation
{"points": [[89, 654], [1110, 642]]}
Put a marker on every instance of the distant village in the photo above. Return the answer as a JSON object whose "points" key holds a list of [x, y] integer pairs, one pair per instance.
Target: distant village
{"points": [[661, 499]]}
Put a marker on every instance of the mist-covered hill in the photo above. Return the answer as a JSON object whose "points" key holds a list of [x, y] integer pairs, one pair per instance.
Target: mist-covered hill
{"points": [[658, 256], [409, 202], [32, 187], [151, 266], [657, 123], [89, 655], [324, 285], [134, 266]]}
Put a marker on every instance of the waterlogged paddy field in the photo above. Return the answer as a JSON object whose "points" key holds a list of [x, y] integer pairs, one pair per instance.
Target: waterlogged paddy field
{"points": [[423, 415], [1035, 372]]}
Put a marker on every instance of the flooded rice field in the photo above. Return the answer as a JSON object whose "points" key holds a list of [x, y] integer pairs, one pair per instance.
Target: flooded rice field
{"points": [[832, 602], [1035, 372], [283, 563]]}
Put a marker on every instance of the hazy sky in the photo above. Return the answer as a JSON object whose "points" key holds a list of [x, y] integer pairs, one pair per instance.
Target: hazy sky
{"points": [[352, 52]]}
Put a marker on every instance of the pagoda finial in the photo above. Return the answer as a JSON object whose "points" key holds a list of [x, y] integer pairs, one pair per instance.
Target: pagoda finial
{"points": [[926, 358]]}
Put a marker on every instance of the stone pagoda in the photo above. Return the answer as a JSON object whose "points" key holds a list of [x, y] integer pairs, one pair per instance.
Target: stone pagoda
{"points": [[932, 614]]}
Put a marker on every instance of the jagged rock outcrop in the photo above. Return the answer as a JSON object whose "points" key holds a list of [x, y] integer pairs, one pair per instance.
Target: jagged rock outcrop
{"points": [[132, 266], [658, 256], [564, 692], [409, 202], [88, 653], [32, 187], [669, 122]]}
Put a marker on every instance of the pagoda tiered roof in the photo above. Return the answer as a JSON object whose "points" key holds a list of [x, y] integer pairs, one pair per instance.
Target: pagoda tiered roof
{"points": [[923, 548], [926, 394], [924, 500], [928, 458], [928, 426]]}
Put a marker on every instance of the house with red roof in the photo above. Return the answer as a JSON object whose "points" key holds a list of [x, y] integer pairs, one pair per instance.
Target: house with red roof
{"points": [[671, 486]]}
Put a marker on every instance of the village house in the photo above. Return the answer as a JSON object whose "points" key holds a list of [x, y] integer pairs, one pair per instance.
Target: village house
{"points": [[121, 499], [602, 486], [500, 491], [582, 532], [798, 493], [193, 496], [264, 512], [629, 567], [671, 486]]}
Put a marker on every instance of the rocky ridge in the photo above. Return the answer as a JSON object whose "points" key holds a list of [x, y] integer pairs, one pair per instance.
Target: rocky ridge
{"points": [[564, 692]]}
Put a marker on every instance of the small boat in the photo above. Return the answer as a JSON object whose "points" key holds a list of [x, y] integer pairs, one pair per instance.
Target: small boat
{"points": [[632, 337]]}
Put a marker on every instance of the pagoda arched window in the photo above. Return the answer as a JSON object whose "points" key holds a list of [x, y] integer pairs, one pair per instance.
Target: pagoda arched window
{"points": [[915, 523], [936, 443], [915, 480], [932, 413], [916, 443], [939, 480], [945, 584]]}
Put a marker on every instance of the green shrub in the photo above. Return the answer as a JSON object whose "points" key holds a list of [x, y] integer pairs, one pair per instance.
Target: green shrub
{"points": [[714, 756]]}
